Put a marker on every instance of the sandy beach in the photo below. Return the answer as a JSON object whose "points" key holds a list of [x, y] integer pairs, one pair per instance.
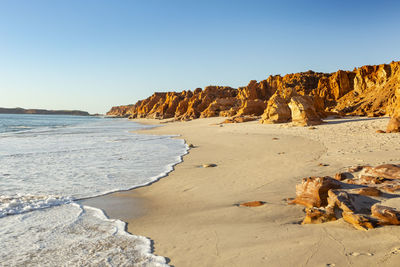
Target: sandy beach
{"points": [[191, 214]]}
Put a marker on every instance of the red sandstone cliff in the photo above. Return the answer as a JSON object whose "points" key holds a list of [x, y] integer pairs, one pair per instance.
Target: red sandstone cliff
{"points": [[368, 90]]}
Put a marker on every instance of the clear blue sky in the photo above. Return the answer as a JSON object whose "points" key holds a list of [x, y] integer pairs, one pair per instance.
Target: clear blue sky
{"points": [[93, 54]]}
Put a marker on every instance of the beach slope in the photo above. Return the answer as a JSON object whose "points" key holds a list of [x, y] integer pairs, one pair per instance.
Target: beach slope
{"points": [[192, 216]]}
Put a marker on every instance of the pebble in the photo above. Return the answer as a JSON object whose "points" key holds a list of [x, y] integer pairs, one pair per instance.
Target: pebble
{"points": [[209, 165]]}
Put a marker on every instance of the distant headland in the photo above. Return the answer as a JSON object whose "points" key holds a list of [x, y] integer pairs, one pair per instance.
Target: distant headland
{"points": [[43, 111]]}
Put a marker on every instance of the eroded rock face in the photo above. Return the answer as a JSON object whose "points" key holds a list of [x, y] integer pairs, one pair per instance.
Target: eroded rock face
{"points": [[334, 87], [367, 91], [120, 111], [252, 107], [354, 196], [221, 107], [373, 91], [303, 112], [313, 191], [277, 111]]}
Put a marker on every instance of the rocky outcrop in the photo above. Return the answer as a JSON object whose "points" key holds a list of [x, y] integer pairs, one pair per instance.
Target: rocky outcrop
{"points": [[313, 191], [303, 111], [366, 91], [388, 171], [277, 111], [332, 88], [393, 125], [221, 107], [386, 215], [119, 111], [373, 91], [356, 196], [252, 107]]}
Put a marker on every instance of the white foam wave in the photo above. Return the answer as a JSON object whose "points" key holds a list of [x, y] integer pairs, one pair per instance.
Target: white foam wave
{"points": [[72, 235], [10, 205], [42, 171]]}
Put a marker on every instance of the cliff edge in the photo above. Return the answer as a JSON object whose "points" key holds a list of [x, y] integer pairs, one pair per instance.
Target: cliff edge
{"points": [[305, 96]]}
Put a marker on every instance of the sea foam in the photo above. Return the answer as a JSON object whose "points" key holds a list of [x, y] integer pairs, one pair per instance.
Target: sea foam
{"points": [[42, 172]]}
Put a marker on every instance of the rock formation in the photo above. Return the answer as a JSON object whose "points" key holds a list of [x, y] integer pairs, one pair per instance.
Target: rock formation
{"points": [[313, 191], [303, 111], [356, 196], [365, 91], [393, 125], [277, 111]]}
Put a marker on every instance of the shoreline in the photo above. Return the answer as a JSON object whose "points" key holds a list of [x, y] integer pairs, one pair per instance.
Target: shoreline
{"points": [[191, 216]]}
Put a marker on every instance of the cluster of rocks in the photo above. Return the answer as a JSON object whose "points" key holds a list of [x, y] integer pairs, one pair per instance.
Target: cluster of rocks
{"points": [[356, 196], [303, 98]]}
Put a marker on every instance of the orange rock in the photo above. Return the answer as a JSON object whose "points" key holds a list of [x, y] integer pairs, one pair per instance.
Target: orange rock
{"points": [[303, 111], [386, 215], [313, 191], [366, 180], [357, 205], [369, 191], [359, 221], [389, 171], [252, 204], [252, 107], [393, 125], [240, 119], [277, 111], [334, 87], [255, 91], [219, 106], [341, 199], [372, 92], [317, 215], [368, 90]]}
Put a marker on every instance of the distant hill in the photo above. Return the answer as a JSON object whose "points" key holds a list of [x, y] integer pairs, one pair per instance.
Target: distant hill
{"points": [[43, 111]]}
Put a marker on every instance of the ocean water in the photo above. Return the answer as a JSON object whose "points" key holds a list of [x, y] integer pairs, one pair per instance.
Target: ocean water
{"points": [[48, 162]]}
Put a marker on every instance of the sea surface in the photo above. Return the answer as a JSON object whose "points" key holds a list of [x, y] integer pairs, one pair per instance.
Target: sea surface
{"points": [[48, 162]]}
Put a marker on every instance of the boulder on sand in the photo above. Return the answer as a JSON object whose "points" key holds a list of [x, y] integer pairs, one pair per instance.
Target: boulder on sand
{"points": [[303, 111]]}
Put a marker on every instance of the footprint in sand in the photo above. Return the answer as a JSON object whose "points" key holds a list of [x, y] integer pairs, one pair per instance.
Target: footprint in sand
{"points": [[356, 254]]}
